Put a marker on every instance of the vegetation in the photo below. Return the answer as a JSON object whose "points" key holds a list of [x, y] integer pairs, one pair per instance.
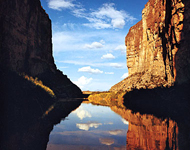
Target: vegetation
{"points": [[40, 84], [107, 98]]}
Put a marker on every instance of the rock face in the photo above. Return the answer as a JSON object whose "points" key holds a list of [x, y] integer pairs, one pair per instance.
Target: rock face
{"points": [[157, 46], [26, 44]]}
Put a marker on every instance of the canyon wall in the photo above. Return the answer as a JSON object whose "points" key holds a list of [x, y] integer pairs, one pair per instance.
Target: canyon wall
{"points": [[158, 46], [26, 45]]}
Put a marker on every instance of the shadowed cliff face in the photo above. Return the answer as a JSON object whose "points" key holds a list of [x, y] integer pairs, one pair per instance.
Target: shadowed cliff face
{"points": [[182, 58], [26, 45], [26, 37], [157, 46]]}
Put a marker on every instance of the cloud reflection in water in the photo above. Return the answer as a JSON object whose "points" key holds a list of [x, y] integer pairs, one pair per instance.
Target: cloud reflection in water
{"points": [[87, 126], [90, 127]]}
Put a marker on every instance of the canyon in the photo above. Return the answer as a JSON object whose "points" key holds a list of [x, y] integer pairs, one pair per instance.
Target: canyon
{"points": [[158, 60], [26, 45], [35, 95], [158, 47]]}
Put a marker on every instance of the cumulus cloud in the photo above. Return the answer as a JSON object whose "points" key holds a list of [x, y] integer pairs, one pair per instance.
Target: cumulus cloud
{"points": [[60, 4], [108, 16], [94, 45], [125, 75], [82, 114], [88, 69], [82, 81], [122, 48], [108, 56], [87, 126]]}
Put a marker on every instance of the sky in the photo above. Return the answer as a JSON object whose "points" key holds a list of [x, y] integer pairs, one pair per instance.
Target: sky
{"points": [[89, 39]]}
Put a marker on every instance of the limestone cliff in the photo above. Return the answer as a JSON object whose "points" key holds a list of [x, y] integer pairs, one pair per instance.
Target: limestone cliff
{"points": [[26, 44], [157, 46]]}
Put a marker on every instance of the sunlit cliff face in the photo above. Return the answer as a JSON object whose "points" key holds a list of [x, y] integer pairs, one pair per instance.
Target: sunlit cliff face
{"points": [[157, 49], [153, 42]]}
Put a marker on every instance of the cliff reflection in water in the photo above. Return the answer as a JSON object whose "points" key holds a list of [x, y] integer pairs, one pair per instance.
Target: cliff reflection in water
{"points": [[99, 128], [31, 131], [26, 128], [147, 132]]}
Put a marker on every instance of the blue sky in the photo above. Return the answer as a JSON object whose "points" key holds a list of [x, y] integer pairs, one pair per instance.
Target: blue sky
{"points": [[89, 39]]}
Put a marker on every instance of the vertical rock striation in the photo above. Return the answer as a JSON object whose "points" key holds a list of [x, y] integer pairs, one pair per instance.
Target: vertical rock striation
{"points": [[26, 44], [157, 46]]}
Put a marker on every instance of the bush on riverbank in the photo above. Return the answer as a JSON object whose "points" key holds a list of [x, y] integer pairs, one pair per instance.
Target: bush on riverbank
{"points": [[107, 98]]}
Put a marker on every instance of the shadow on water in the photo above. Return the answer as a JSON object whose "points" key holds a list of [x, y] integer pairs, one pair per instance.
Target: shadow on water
{"points": [[30, 131], [28, 113]]}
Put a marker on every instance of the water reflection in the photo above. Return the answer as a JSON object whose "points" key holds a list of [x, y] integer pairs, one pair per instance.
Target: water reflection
{"points": [[149, 132], [30, 130], [100, 127], [90, 127]]}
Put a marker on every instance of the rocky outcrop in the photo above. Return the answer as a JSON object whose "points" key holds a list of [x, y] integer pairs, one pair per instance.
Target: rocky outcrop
{"points": [[26, 45], [157, 46]]}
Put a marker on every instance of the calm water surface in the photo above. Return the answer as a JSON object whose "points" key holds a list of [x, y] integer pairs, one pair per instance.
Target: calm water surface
{"points": [[90, 127]]}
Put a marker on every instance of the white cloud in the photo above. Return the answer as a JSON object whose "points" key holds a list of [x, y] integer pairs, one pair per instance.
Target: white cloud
{"points": [[108, 56], [82, 81], [60, 4], [122, 48], [124, 121], [94, 45], [102, 41], [118, 23], [88, 69], [97, 25], [87, 126], [108, 17], [82, 114], [114, 65], [66, 40], [125, 75], [109, 72]]}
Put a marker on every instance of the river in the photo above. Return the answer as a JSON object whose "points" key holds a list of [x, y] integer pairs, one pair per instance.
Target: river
{"points": [[90, 127]]}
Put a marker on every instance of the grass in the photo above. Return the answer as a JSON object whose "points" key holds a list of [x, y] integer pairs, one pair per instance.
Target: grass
{"points": [[40, 84]]}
